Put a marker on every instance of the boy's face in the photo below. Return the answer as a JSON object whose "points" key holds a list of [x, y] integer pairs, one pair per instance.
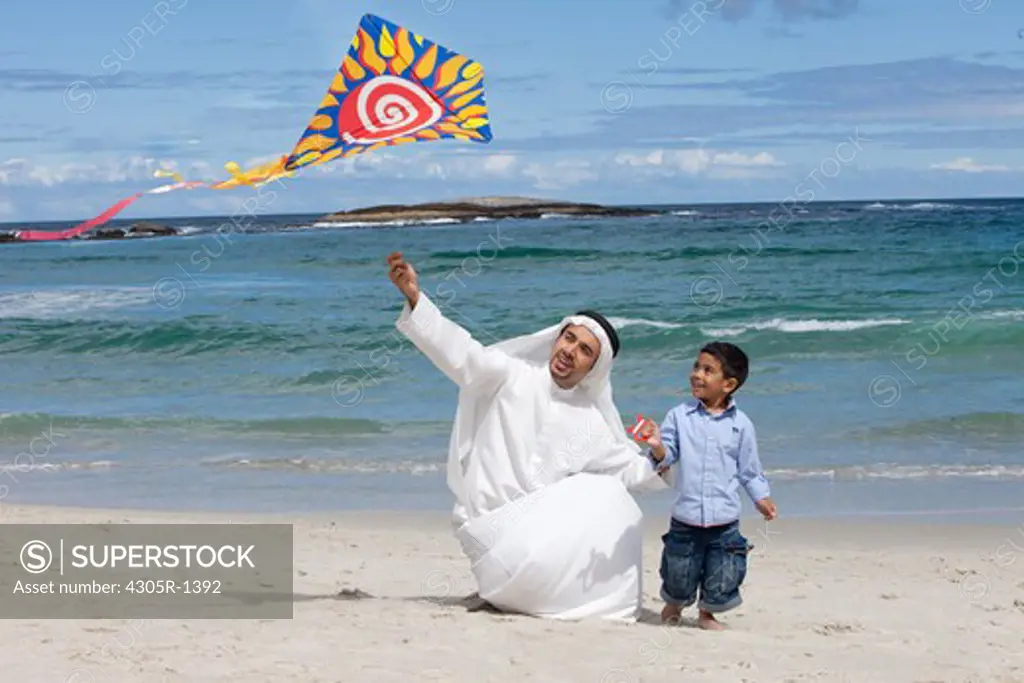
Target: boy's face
{"points": [[707, 382]]}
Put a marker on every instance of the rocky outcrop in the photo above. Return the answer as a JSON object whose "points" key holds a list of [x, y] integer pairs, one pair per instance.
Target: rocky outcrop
{"points": [[465, 210], [146, 229], [105, 234], [137, 230]]}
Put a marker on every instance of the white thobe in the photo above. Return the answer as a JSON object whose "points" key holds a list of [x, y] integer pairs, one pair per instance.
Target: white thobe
{"points": [[542, 506]]}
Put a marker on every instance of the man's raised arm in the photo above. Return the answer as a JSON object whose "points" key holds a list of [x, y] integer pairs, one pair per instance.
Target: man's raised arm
{"points": [[449, 347]]}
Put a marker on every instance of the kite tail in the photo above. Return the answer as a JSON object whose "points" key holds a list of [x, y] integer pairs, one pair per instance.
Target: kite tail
{"points": [[45, 235], [107, 215], [253, 177]]}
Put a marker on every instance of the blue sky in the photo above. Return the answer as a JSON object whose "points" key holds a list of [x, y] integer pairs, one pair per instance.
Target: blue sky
{"points": [[660, 101]]}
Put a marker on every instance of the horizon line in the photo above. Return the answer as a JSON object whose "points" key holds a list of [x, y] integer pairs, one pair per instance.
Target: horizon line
{"points": [[819, 202]]}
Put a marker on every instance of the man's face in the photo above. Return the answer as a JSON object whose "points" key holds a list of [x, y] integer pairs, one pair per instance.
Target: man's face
{"points": [[574, 354]]}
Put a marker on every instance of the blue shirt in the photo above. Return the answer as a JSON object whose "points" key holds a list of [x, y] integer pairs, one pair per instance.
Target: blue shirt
{"points": [[716, 456]]}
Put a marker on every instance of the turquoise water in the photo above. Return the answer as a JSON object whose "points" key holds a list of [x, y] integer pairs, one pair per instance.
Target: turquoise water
{"points": [[262, 371]]}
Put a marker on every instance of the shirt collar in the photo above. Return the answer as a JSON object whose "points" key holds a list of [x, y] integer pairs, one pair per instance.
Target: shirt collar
{"points": [[697, 406]]}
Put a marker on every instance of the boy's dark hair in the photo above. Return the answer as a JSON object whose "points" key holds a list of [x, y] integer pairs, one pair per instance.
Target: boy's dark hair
{"points": [[735, 364]]}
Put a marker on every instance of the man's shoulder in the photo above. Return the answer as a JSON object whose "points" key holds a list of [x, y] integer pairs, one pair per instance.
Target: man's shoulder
{"points": [[521, 377]]}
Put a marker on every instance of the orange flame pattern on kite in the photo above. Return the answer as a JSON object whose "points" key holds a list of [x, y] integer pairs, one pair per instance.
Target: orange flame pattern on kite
{"points": [[394, 87]]}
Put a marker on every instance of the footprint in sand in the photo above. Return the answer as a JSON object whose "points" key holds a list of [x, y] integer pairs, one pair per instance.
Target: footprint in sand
{"points": [[230, 653], [352, 594], [835, 628]]}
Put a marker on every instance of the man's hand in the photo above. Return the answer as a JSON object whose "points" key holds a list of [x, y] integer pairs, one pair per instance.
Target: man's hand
{"points": [[404, 277], [767, 508]]}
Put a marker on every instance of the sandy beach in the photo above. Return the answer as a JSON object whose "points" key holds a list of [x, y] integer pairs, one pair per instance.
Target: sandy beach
{"points": [[842, 601]]}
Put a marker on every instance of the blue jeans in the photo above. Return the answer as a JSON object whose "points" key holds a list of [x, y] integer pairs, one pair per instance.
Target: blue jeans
{"points": [[712, 560]]}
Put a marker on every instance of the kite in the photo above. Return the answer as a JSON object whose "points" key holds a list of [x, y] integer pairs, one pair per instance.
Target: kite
{"points": [[393, 87]]}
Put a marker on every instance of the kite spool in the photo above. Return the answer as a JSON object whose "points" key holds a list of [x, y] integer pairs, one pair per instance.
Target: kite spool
{"points": [[634, 431]]}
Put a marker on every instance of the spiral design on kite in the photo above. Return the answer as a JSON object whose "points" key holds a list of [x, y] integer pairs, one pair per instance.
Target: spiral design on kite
{"points": [[386, 107], [392, 111]]}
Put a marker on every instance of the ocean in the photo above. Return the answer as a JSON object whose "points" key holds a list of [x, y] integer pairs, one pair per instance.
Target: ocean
{"points": [[262, 371]]}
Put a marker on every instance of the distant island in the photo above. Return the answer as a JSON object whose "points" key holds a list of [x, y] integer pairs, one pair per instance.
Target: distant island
{"points": [[472, 208]]}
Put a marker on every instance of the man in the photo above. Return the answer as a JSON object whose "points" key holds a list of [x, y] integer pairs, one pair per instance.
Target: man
{"points": [[539, 462]]}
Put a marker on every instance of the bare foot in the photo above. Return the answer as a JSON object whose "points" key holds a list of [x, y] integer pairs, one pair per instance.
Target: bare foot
{"points": [[671, 614], [707, 621]]}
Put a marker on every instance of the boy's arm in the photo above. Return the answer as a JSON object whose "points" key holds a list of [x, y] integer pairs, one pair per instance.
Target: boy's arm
{"points": [[449, 347], [669, 442], [751, 474]]}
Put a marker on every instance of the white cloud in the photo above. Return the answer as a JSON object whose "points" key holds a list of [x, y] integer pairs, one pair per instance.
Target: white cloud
{"points": [[715, 164], [542, 171], [560, 174], [691, 161], [7, 208], [472, 167], [457, 164], [969, 165], [10, 169], [421, 166], [23, 172], [746, 160], [499, 164]]}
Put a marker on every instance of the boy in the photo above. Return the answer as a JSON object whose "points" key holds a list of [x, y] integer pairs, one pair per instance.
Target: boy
{"points": [[714, 445]]}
